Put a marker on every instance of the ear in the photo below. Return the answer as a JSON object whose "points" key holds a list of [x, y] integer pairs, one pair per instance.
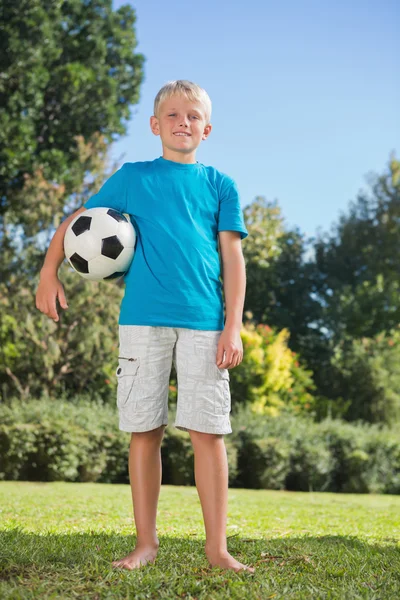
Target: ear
{"points": [[154, 125], [206, 132]]}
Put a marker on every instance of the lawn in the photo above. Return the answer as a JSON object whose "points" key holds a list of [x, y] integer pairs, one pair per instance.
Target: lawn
{"points": [[58, 541]]}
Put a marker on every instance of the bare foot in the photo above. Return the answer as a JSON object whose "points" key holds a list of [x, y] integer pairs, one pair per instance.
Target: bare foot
{"points": [[226, 561], [139, 557]]}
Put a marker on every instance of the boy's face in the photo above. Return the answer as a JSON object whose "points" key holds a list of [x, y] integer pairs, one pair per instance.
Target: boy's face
{"points": [[181, 124]]}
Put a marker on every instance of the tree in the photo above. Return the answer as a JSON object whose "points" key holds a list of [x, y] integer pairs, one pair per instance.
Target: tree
{"points": [[368, 377], [359, 279], [77, 354], [280, 281], [68, 77], [270, 378], [67, 69]]}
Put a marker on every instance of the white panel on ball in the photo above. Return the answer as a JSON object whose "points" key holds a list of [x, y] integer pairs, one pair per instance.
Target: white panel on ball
{"points": [[96, 229]]}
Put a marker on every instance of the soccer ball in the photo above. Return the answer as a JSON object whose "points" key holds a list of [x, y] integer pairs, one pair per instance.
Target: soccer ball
{"points": [[100, 243]]}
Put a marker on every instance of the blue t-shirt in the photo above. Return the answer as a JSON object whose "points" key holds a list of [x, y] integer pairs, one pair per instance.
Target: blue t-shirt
{"points": [[177, 210]]}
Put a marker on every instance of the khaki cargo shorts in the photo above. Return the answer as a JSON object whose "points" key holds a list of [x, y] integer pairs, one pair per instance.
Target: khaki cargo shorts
{"points": [[146, 354]]}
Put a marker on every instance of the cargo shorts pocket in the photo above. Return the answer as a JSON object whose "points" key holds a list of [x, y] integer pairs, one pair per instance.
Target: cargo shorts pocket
{"points": [[127, 372], [222, 393]]}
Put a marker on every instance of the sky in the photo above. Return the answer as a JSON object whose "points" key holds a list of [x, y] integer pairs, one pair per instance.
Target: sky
{"points": [[305, 95]]}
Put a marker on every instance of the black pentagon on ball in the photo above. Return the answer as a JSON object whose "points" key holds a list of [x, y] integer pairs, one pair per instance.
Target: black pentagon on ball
{"points": [[114, 275], [111, 247], [80, 264], [117, 215], [81, 225]]}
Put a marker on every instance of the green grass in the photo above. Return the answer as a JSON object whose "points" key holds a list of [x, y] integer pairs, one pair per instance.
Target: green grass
{"points": [[58, 541]]}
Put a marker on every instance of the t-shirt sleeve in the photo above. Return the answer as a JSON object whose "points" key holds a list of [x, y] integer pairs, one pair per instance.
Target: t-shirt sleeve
{"points": [[230, 217], [113, 193]]}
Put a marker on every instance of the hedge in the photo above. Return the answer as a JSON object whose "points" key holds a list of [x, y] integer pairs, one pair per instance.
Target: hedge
{"points": [[59, 440]]}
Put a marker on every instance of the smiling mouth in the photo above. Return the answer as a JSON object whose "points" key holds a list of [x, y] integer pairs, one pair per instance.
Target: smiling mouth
{"points": [[182, 134]]}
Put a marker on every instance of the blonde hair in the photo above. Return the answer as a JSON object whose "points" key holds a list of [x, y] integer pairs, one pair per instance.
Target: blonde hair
{"points": [[192, 91]]}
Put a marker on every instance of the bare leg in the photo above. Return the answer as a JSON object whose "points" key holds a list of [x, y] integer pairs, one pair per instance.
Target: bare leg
{"points": [[145, 472], [211, 475]]}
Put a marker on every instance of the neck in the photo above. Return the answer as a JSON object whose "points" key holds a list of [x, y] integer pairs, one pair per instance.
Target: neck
{"points": [[179, 157]]}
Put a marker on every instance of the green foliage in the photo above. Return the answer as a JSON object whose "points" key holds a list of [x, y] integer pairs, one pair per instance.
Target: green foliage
{"points": [[349, 291], [359, 278], [270, 377], [326, 456], [75, 355], [262, 463], [265, 225], [368, 371], [178, 461], [305, 461], [57, 59], [280, 281], [59, 440], [61, 355]]}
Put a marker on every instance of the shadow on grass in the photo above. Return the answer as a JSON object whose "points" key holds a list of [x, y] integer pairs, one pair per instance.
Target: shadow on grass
{"points": [[78, 565], [22, 550]]}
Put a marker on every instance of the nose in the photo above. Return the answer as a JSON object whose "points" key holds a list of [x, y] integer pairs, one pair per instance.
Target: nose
{"points": [[183, 121]]}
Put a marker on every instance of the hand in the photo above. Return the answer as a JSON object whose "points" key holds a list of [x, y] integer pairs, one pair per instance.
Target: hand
{"points": [[231, 344], [49, 289]]}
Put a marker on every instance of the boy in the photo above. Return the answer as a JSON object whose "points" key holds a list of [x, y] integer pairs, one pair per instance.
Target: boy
{"points": [[172, 311]]}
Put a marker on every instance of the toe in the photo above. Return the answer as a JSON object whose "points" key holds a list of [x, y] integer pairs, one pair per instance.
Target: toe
{"points": [[247, 568]]}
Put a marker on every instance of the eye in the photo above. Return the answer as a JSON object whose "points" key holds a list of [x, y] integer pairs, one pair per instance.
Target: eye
{"points": [[194, 117], [172, 115]]}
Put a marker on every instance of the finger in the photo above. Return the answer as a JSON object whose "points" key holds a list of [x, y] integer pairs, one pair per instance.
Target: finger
{"points": [[53, 311], [220, 356], [236, 360], [61, 297], [222, 364], [227, 363]]}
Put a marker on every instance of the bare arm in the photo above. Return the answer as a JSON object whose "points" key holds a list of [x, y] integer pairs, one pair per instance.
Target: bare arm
{"points": [[234, 277], [50, 287]]}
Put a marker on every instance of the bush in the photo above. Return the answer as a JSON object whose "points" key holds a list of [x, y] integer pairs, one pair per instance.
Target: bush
{"points": [[60, 440], [383, 471], [311, 464], [262, 463], [47, 440], [332, 455], [368, 375], [270, 378], [306, 466], [178, 458]]}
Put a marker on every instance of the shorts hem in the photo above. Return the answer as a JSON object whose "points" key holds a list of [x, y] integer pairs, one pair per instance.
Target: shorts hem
{"points": [[143, 428], [203, 428]]}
